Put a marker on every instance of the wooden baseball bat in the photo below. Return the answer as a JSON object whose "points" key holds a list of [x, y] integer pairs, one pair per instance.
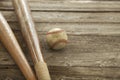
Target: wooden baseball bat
{"points": [[31, 37], [8, 39]]}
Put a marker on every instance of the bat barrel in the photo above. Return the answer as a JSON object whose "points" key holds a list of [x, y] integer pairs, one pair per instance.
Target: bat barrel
{"points": [[8, 39], [28, 29], [31, 37]]}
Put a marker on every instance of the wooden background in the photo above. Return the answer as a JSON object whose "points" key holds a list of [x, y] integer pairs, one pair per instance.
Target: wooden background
{"points": [[93, 27]]}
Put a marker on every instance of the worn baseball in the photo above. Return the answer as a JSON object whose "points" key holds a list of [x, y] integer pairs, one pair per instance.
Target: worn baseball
{"points": [[57, 38]]}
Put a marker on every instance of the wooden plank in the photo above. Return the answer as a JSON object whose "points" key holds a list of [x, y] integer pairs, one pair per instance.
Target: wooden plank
{"points": [[65, 5], [69, 0], [107, 17], [82, 50], [68, 73], [76, 28]]}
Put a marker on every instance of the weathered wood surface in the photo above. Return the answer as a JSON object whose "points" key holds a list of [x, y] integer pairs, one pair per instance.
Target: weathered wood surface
{"points": [[67, 5], [93, 27]]}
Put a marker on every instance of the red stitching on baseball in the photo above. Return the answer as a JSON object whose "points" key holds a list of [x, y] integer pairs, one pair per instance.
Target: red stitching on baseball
{"points": [[59, 41]]}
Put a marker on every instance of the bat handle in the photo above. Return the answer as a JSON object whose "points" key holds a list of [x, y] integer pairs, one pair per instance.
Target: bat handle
{"points": [[42, 71]]}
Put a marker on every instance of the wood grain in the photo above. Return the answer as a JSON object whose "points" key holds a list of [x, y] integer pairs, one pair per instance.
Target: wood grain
{"points": [[79, 28], [107, 17], [65, 5], [87, 73]]}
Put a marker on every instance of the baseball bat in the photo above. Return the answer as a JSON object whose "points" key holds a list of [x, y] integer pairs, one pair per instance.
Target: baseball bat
{"points": [[30, 35], [8, 39]]}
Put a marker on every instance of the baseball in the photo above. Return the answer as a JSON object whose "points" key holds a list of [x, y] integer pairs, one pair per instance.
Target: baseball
{"points": [[57, 38]]}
